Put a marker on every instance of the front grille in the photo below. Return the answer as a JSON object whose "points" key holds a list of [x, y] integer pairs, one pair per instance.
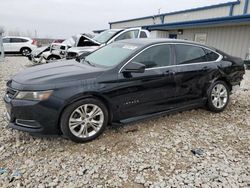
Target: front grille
{"points": [[11, 93], [71, 55]]}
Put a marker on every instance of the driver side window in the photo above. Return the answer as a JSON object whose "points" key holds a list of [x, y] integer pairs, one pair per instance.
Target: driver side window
{"points": [[128, 35], [156, 56]]}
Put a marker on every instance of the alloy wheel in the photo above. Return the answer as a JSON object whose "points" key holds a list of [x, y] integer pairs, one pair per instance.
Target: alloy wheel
{"points": [[86, 120], [25, 52], [219, 96]]}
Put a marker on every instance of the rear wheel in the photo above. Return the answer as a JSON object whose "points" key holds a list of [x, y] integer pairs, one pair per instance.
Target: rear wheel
{"points": [[218, 96], [25, 51], [84, 120]]}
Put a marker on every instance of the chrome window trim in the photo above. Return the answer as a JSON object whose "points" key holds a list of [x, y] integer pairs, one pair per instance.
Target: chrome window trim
{"points": [[196, 45], [124, 31]]}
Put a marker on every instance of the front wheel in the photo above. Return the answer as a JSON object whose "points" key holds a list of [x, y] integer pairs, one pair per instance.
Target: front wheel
{"points": [[52, 58], [84, 120], [218, 96]]}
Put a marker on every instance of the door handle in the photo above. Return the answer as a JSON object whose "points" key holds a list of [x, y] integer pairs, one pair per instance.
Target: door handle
{"points": [[205, 68], [169, 72]]}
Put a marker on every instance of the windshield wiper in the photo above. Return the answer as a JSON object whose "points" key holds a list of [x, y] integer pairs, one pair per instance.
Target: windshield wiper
{"points": [[89, 62]]}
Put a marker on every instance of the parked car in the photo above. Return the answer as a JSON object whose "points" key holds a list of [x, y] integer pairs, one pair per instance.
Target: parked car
{"points": [[107, 37], [247, 64], [38, 55], [35, 56], [58, 41], [20, 45], [121, 82], [58, 51]]}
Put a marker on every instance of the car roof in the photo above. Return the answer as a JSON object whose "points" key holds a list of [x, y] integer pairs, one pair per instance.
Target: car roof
{"points": [[17, 37], [152, 41]]}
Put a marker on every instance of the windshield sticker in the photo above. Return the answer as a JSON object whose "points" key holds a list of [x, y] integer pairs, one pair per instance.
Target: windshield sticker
{"points": [[129, 47]]}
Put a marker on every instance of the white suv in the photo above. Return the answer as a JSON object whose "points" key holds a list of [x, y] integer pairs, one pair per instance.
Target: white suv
{"points": [[21, 45]]}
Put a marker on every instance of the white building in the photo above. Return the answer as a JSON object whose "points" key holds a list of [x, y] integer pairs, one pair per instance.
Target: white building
{"points": [[225, 26]]}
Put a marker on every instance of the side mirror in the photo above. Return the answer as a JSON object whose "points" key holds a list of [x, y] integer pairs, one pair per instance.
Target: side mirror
{"points": [[134, 67]]}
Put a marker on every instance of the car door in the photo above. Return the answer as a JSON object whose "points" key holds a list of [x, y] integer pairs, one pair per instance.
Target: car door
{"points": [[6, 44], [16, 44], [151, 91], [192, 73]]}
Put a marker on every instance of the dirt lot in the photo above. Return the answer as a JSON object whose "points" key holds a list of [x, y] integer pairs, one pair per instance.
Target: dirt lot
{"points": [[155, 153]]}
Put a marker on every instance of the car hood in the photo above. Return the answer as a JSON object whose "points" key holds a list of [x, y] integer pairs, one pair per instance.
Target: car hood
{"points": [[54, 75], [83, 49], [46, 54], [38, 51]]}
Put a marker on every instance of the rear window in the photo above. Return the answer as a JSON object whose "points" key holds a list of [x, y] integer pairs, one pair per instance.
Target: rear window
{"points": [[187, 54], [211, 56], [18, 40]]}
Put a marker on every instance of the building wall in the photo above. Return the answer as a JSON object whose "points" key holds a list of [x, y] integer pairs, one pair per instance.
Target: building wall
{"points": [[199, 14], [234, 40], [248, 11], [135, 23]]}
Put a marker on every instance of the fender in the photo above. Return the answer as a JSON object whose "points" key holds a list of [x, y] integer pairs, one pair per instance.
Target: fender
{"points": [[86, 95]]}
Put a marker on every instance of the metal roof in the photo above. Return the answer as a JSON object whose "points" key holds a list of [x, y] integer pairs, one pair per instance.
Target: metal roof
{"points": [[242, 19], [182, 11]]}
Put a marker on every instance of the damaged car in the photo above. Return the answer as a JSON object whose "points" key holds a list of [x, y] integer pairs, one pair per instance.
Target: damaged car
{"points": [[105, 38], [59, 51], [122, 82]]}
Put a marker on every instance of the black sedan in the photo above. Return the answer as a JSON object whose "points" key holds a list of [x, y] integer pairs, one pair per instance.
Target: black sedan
{"points": [[121, 82]]}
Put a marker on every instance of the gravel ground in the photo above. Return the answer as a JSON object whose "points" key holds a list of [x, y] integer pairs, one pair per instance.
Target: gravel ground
{"points": [[155, 153]]}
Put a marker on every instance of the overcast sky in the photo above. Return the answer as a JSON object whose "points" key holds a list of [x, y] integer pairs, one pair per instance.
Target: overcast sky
{"points": [[63, 18]]}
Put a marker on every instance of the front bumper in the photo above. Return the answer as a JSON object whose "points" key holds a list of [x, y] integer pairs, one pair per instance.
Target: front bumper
{"points": [[38, 117], [36, 60]]}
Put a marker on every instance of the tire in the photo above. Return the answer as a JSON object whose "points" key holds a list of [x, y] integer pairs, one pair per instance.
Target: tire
{"points": [[52, 58], [25, 51], [83, 127], [218, 96]]}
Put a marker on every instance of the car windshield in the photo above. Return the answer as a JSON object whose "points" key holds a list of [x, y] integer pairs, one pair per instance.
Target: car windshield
{"points": [[111, 55], [105, 36]]}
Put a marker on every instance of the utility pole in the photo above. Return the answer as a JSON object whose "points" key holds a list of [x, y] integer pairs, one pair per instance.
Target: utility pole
{"points": [[1, 45], [159, 11]]}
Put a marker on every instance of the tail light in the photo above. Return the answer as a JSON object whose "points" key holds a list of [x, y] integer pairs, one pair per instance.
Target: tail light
{"points": [[34, 42]]}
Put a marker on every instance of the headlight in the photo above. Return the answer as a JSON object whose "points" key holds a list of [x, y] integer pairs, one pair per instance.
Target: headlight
{"points": [[36, 95]]}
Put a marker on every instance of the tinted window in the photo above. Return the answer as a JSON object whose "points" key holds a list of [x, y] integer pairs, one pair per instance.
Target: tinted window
{"points": [[143, 34], [6, 40], [186, 54], [157, 56], [16, 40], [211, 56], [128, 35], [24, 40]]}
